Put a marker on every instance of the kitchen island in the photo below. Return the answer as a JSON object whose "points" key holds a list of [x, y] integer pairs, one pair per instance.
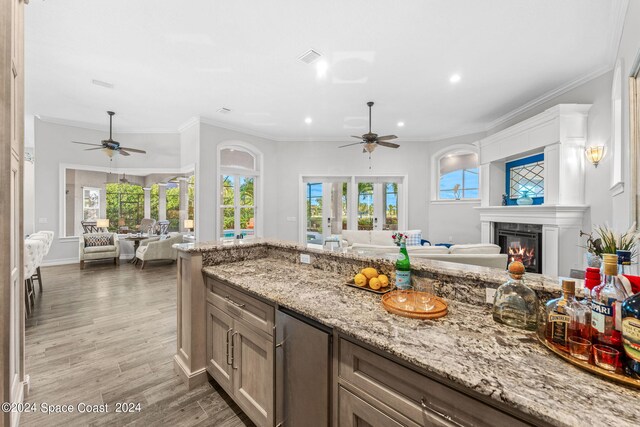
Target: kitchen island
{"points": [[464, 357]]}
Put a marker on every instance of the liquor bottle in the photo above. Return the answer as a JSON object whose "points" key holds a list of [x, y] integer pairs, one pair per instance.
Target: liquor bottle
{"points": [[403, 268], [514, 303], [631, 332], [564, 317], [624, 261], [606, 301]]}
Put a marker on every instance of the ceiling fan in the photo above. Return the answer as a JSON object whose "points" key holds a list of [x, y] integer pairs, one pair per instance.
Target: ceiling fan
{"points": [[117, 180], [109, 146], [372, 140]]}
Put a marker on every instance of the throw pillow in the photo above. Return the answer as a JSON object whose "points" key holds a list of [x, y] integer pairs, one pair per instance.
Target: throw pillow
{"points": [[97, 240], [413, 238]]}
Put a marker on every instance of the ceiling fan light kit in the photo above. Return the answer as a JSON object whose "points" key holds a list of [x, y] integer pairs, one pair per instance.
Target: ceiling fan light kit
{"points": [[371, 140], [109, 146]]}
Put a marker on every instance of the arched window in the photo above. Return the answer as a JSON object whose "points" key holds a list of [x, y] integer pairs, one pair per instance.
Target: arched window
{"points": [[239, 198], [457, 175]]}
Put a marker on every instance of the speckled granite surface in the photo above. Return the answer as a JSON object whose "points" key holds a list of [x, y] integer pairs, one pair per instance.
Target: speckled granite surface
{"points": [[466, 346]]}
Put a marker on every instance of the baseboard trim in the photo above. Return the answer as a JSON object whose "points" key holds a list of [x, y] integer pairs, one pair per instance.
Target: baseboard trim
{"points": [[63, 261], [190, 379]]}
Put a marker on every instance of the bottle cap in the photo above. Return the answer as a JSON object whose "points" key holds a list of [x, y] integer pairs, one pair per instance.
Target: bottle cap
{"points": [[569, 286], [516, 269], [610, 258]]}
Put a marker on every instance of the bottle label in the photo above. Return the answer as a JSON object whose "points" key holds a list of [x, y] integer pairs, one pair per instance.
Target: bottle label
{"points": [[602, 317], [401, 256], [559, 326], [403, 279], [631, 337]]}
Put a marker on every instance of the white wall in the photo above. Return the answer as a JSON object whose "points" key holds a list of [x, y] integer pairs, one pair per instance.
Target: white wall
{"points": [[53, 149], [413, 159]]}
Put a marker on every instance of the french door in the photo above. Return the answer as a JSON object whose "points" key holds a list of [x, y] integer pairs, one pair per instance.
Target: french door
{"points": [[334, 204], [326, 207], [378, 202], [237, 206]]}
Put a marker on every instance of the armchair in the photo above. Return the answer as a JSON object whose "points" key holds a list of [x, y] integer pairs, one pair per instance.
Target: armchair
{"points": [[147, 225], [159, 249], [95, 246]]}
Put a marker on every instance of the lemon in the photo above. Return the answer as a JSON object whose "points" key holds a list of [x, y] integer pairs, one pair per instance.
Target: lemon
{"points": [[384, 280], [360, 279], [370, 272], [375, 283]]}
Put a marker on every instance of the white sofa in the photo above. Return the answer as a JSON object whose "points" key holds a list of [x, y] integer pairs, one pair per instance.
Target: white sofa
{"points": [[380, 243]]}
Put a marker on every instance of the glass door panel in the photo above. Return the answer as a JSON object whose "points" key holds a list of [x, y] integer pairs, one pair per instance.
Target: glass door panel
{"points": [[237, 206], [314, 212], [390, 205], [365, 206]]}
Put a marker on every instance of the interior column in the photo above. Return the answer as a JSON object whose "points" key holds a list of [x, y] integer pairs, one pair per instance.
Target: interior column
{"points": [[147, 202], [184, 202], [162, 202]]}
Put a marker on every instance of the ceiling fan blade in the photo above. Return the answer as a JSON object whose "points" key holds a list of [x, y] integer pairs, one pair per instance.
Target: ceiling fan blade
{"points": [[388, 144], [124, 153], [353, 136], [86, 143], [386, 137], [96, 148], [134, 150], [348, 145]]}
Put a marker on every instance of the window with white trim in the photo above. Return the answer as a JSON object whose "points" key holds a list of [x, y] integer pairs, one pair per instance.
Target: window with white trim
{"points": [[458, 176], [90, 204], [238, 189]]}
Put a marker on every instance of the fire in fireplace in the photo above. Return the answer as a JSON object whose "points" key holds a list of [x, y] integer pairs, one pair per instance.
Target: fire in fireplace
{"points": [[522, 242]]}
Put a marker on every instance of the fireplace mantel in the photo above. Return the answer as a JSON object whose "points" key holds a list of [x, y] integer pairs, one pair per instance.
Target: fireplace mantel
{"points": [[560, 231], [535, 214]]}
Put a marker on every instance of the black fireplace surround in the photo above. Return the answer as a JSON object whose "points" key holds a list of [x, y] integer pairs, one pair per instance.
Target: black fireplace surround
{"points": [[522, 242]]}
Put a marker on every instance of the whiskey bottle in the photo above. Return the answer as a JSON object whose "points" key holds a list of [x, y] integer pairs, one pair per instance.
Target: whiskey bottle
{"points": [[631, 332], [606, 310], [514, 303], [565, 317]]}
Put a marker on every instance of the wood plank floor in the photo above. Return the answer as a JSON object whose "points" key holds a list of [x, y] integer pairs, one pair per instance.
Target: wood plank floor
{"points": [[107, 334]]}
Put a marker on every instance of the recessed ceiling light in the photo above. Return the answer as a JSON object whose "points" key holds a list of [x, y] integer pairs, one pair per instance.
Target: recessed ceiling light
{"points": [[400, 124], [308, 120], [455, 78]]}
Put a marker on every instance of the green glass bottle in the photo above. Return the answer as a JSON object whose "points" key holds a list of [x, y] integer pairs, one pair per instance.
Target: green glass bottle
{"points": [[403, 268]]}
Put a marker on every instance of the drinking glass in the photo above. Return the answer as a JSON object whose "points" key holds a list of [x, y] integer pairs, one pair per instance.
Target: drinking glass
{"points": [[606, 357], [580, 348], [424, 295]]}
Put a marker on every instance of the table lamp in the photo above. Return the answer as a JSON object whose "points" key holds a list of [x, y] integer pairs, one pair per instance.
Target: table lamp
{"points": [[188, 224], [102, 223]]}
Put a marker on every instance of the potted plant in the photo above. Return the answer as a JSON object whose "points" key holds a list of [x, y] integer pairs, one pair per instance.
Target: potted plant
{"points": [[607, 241]]}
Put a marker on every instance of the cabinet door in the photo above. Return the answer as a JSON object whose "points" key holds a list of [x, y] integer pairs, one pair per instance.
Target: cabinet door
{"points": [[355, 412], [253, 373], [219, 331]]}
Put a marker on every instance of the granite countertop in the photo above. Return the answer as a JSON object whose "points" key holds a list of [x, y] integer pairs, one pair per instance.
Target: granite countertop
{"points": [[466, 347], [493, 276]]}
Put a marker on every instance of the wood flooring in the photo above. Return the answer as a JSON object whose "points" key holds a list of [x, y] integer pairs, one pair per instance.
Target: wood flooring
{"points": [[107, 334]]}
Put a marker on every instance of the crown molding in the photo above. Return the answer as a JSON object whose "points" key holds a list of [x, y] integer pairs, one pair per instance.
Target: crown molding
{"points": [[101, 128], [618, 28], [189, 123], [548, 96]]}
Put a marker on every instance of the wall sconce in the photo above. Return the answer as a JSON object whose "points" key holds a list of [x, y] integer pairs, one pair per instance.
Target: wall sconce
{"points": [[595, 153], [188, 224], [102, 223]]}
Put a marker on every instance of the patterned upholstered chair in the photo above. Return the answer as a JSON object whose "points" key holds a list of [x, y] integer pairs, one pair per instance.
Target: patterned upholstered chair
{"points": [[95, 246], [89, 226], [162, 227], [33, 252]]}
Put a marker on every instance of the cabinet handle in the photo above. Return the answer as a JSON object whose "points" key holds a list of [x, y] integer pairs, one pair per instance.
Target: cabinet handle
{"points": [[233, 351], [426, 407], [230, 329], [233, 302]]}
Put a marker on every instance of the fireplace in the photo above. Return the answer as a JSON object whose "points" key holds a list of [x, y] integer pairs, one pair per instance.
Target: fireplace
{"points": [[522, 242]]}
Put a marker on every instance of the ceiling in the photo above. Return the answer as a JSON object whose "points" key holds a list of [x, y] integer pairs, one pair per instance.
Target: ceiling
{"points": [[169, 61]]}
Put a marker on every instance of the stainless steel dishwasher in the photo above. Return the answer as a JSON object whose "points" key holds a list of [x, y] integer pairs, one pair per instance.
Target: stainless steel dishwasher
{"points": [[303, 371]]}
